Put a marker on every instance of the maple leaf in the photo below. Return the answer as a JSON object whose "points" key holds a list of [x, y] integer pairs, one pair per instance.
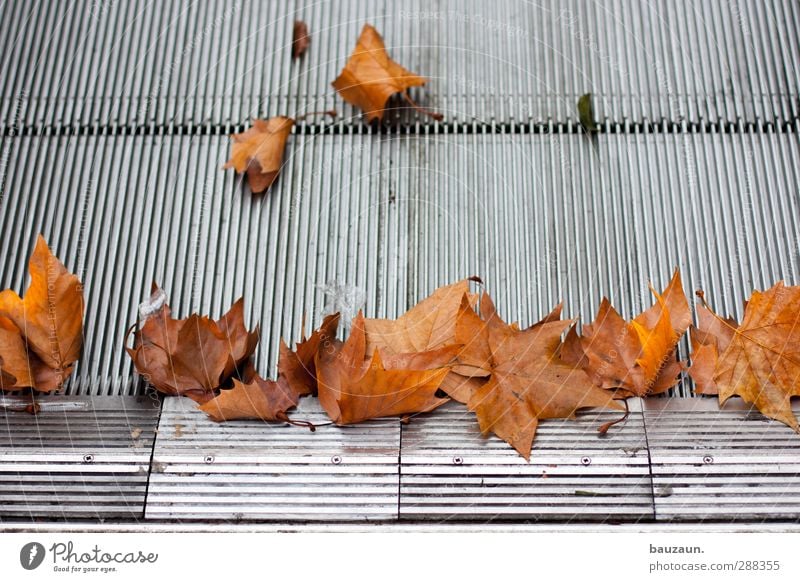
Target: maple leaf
{"points": [[527, 380], [259, 151], [41, 335], [258, 399], [193, 356], [298, 367], [636, 358], [710, 337], [370, 77], [758, 360], [300, 39], [354, 387], [428, 326]]}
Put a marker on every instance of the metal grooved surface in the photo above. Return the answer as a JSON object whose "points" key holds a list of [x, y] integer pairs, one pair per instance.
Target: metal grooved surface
{"points": [[450, 472], [541, 218], [245, 470], [721, 464], [78, 458], [191, 63]]}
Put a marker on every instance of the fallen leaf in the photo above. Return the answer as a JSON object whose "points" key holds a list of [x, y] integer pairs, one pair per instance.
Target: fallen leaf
{"points": [[354, 387], [298, 367], [259, 151], [41, 335], [370, 77], [711, 337], [193, 356], [636, 358], [527, 381], [300, 39], [428, 326], [259, 399], [759, 360], [586, 113]]}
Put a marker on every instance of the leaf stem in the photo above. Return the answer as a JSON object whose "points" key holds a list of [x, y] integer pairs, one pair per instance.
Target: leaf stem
{"points": [[433, 114]]}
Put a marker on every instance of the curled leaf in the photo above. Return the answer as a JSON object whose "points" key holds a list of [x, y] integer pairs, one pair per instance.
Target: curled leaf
{"points": [[193, 356], [258, 399], [300, 39]]}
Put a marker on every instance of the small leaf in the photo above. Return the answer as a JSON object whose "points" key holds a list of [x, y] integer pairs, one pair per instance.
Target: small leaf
{"points": [[586, 113], [300, 39], [259, 151]]}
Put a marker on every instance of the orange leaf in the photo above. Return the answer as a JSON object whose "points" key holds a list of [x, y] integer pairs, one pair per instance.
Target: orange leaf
{"points": [[711, 337], [192, 356], [259, 399], [259, 151], [636, 358], [353, 387], [429, 325], [528, 381], [41, 335], [370, 77], [298, 367], [759, 360]]}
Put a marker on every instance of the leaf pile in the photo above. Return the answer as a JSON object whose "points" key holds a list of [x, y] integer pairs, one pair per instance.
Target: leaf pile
{"points": [[41, 334]]}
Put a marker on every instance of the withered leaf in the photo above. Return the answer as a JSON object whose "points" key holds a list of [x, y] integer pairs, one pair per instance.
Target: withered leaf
{"points": [[41, 335], [528, 381], [429, 325], [258, 399], [298, 367], [586, 113], [711, 337], [300, 39], [759, 360], [370, 77], [193, 356], [353, 387], [259, 151], [636, 358]]}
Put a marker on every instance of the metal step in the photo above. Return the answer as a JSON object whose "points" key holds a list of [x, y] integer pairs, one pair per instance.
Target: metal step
{"points": [[189, 63], [542, 218]]}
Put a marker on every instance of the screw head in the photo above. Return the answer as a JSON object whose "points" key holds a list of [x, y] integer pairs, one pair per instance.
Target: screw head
{"points": [[209, 459], [458, 460], [336, 459], [708, 459], [88, 458], [586, 461]]}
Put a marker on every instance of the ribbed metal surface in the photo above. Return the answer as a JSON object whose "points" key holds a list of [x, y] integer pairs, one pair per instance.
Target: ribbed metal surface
{"points": [[254, 470], [78, 458], [450, 472], [724, 464], [191, 63], [541, 217]]}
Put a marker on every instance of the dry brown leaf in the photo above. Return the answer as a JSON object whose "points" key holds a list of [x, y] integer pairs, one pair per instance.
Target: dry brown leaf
{"points": [[759, 360], [41, 335], [300, 39], [370, 77], [298, 367], [194, 356], [711, 337], [259, 151], [354, 387], [636, 358], [258, 399], [429, 325], [527, 379]]}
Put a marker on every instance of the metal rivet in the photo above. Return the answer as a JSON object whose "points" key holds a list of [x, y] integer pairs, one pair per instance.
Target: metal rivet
{"points": [[586, 461], [458, 460], [88, 458], [708, 459], [209, 459], [336, 459]]}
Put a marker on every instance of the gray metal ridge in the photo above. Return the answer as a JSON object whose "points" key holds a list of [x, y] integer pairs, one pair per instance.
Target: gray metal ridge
{"points": [[188, 63]]}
